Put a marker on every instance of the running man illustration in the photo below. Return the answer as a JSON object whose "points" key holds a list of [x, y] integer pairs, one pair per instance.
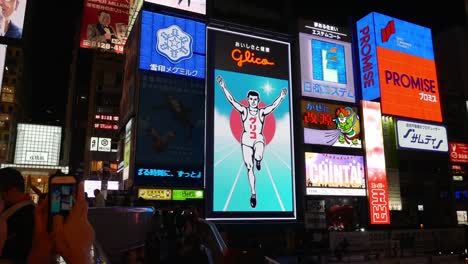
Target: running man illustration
{"points": [[252, 139]]}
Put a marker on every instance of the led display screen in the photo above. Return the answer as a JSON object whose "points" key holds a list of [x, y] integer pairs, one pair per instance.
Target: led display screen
{"points": [[38, 144], [377, 187], [172, 45], [423, 136], [335, 174], [397, 57], [104, 25], [90, 186], [458, 152], [12, 17], [170, 131], [186, 194], [196, 6], [127, 149], [154, 194], [249, 155], [331, 124], [326, 63]]}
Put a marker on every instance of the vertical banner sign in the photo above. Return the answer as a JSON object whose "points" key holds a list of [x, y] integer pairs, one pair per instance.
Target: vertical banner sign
{"points": [[377, 188], [326, 62], [104, 25], [249, 162], [127, 149], [398, 57]]}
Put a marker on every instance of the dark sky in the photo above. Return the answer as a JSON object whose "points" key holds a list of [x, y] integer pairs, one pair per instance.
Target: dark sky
{"points": [[53, 25]]}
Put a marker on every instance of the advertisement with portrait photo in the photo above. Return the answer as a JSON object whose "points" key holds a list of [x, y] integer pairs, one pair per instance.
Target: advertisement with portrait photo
{"points": [[104, 25]]}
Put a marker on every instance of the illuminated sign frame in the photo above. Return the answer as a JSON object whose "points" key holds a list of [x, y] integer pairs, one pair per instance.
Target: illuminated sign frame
{"points": [[236, 59]]}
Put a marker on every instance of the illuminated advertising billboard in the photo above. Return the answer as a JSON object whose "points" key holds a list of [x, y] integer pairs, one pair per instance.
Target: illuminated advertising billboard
{"points": [[90, 186], [397, 64], [326, 62], [335, 174], [195, 6], [154, 194], [170, 131], [377, 187], [127, 149], [104, 25], [3, 50], [182, 195], [331, 124], [422, 136], [458, 152], [172, 45], [12, 17], [249, 153], [38, 144]]}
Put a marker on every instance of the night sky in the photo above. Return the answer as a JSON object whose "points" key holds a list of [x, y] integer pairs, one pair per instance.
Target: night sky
{"points": [[52, 26]]}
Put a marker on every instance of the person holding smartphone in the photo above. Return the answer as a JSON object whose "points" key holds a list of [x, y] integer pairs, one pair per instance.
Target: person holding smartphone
{"points": [[18, 214], [71, 235]]}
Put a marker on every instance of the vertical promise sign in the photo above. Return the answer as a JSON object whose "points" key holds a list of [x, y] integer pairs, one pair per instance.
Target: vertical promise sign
{"points": [[249, 155]]}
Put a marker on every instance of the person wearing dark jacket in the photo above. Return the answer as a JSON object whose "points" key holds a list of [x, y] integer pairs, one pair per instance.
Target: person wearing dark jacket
{"points": [[19, 212]]}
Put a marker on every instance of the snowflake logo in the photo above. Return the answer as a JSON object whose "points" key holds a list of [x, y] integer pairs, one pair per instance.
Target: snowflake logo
{"points": [[174, 44]]}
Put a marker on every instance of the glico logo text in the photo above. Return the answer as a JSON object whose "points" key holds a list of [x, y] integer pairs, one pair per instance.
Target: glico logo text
{"points": [[249, 57]]}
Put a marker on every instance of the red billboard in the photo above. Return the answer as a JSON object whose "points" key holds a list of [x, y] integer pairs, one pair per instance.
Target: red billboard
{"points": [[104, 24], [458, 152], [377, 187]]}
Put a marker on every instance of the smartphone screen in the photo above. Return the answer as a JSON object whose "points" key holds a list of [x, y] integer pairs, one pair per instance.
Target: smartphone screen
{"points": [[62, 198]]}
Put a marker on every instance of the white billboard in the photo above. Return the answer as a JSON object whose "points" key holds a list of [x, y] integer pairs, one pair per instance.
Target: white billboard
{"points": [[421, 136], [38, 144]]}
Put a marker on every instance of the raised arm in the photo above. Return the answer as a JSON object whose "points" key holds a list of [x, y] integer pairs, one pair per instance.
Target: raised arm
{"points": [[267, 110], [228, 95]]}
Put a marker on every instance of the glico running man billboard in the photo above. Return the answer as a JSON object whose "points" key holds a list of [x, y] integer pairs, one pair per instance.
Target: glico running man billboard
{"points": [[331, 124], [172, 45], [326, 62], [397, 64], [249, 153]]}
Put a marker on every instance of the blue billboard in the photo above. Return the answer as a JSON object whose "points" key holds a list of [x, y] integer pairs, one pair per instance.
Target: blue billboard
{"points": [[170, 131], [402, 36], [370, 84], [172, 45]]}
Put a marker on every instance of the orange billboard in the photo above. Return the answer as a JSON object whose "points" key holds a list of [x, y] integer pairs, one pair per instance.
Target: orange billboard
{"points": [[408, 85]]}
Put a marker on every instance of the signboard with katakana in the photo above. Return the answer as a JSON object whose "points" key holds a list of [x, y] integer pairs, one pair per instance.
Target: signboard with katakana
{"points": [[422, 136], [172, 45], [326, 62]]}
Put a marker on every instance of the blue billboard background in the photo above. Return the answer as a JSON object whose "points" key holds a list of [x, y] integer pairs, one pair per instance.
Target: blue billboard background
{"points": [[170, 131], [172, 45], [368, 58], [334, 60]]}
